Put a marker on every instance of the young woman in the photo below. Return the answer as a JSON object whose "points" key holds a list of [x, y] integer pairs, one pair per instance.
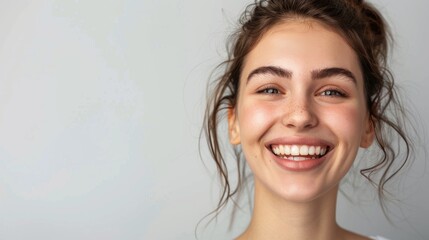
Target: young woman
{"points": [[306, 85]]}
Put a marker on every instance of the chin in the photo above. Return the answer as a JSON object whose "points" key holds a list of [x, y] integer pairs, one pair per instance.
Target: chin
{"points": [[298, 191]]}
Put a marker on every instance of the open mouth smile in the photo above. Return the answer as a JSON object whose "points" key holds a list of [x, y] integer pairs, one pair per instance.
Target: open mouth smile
{"points": [[299, 152]]}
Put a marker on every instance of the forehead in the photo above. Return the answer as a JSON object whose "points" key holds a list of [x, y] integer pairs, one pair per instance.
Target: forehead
{"points": [[302, 45]]}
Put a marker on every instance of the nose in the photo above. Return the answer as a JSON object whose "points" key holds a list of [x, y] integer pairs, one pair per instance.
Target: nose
{"points": [[300, 114]]}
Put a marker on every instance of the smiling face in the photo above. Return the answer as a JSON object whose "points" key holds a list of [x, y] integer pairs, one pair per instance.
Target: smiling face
{"points": [[300, 115]]}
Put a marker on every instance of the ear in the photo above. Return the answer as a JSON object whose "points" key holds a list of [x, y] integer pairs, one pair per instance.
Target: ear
{"points": [[369, 134], [233, 127]]}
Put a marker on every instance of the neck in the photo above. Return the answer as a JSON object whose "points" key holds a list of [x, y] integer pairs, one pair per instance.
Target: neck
{"points": [[277, 218]]}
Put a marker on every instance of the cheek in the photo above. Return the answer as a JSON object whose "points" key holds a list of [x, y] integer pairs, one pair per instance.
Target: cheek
{"points": [[347, 120], [255, 118]]}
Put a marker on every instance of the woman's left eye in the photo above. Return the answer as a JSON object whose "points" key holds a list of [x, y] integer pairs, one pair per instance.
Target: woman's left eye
{"points": [[269, 90], [333, 93]]}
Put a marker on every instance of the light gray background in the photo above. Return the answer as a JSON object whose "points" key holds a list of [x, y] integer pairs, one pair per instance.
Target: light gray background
{"points": [[100, 111]]}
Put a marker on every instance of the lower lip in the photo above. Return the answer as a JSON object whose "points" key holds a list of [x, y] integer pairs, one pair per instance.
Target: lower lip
{"points": [[304, 165]]}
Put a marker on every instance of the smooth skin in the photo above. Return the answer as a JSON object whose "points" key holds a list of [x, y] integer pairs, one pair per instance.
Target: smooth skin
{"points": [[301, 84]]}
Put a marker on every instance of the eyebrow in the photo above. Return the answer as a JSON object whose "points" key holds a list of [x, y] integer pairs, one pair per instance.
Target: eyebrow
{"points": [[335, 71], [272, 70], [315, 74]]}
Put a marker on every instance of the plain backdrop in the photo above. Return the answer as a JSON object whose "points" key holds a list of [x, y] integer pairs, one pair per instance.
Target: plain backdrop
{"points": [[101, 106]]}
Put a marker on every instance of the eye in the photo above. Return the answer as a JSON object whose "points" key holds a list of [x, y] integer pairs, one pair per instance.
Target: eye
{"points": [[269, 90], [333, 93]]}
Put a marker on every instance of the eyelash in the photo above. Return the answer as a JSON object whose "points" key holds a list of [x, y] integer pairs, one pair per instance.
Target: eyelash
{"points": [[333, 93], [269, 90]]}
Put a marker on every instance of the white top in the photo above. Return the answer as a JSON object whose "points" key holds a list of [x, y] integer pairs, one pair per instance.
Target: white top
{"points": [[379, 238]]}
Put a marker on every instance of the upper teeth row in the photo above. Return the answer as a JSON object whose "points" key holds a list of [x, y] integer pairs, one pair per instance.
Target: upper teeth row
{"points": [[297, 150]]}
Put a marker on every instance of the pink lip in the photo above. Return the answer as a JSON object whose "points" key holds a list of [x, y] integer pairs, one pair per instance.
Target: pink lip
{"points": [[297, 166]]}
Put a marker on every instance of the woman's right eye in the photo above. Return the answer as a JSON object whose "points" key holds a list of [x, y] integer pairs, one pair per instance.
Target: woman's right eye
{"points": [[269, 90]]}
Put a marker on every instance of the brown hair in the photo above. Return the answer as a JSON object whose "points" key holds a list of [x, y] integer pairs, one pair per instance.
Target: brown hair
{"points": [[365, 30]]}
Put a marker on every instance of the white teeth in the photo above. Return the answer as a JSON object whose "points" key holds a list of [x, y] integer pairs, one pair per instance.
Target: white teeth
{"points": [[299, 158], [303, 150], [276, 150], [311, 150], [281, 149], [287, 150], [299, 150], [294, 150]]}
